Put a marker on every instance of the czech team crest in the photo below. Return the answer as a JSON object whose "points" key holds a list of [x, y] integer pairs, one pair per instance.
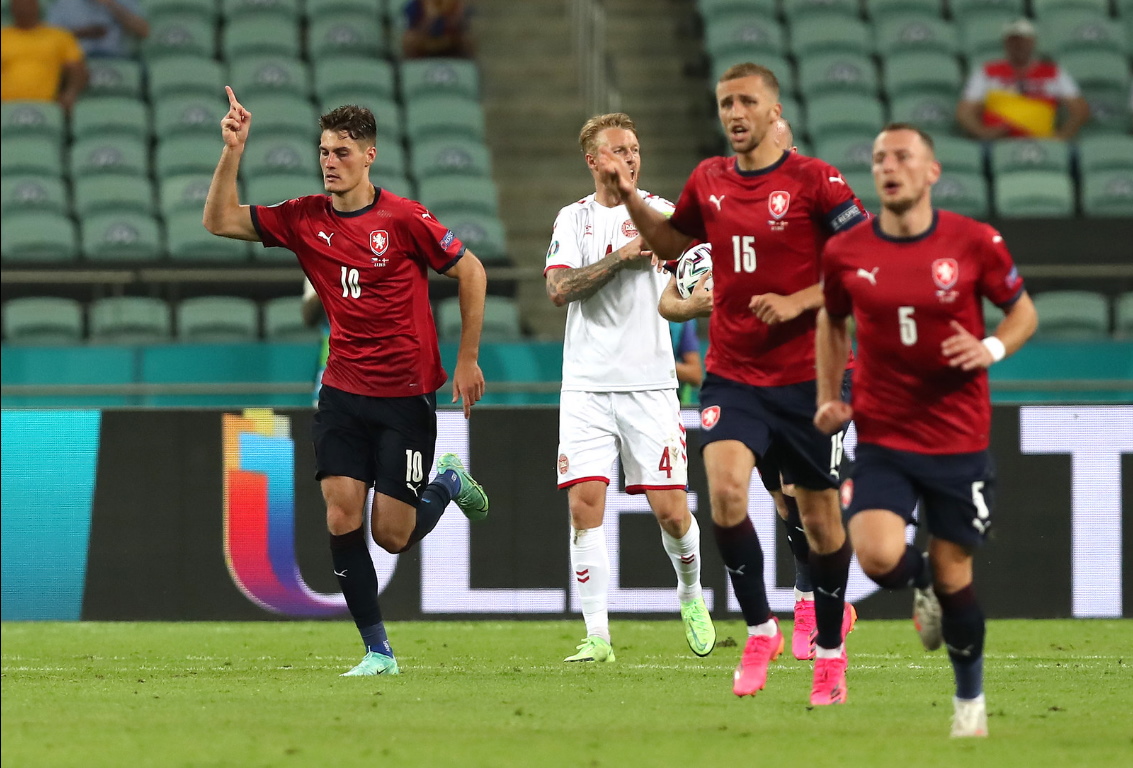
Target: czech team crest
{"points": [[778, 202], [945, 273], [379, 242], [709, 416]]}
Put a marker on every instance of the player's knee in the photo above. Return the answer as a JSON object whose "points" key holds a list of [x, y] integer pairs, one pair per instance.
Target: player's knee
{"points": [[876, 563], [729, 503], [341, 520], [391, 541], [671, 516]]}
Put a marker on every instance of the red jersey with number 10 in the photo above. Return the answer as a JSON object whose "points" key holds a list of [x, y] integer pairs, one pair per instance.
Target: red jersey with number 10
{"points": [[904, 294], [767, 228], [368, 267]]}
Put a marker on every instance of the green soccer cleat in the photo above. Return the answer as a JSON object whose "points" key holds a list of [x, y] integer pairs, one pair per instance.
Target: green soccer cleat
{"points": [[699, 631], [374, 664], [472, 500], [593, 649]]}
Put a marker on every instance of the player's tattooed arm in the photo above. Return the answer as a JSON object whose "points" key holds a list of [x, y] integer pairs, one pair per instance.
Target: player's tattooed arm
{"points": [[677, 310], [568, 284]]}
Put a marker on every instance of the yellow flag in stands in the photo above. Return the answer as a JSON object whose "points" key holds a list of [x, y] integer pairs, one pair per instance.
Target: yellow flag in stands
{"points": [[1024, 115]]}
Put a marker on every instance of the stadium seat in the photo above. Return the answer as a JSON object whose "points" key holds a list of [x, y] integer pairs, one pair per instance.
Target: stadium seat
{"points": [[904, 32], [317, 9], [269, 190], [110, 116], [1072, 315], [796, 10], [432, 116], [186, 154], [35, 155], [784, 72], [840, 114], [345, 36], [710, 9], [39, 119], [501, 319], [957, 154], [348, 76], [188, 241], [1044, 8], [1123, 315], [745, 34], [484, 235], [933, 112], [235, 9], [217, 319], [43, 320], [830, 33], [260, 34], [185, 192], [114, 77], [387, 112], [253, 76], [110, 154], [207, 11], [181, 34], [1009, 155], [278, 153], [1104, 153], [449, 155], [1109, 110], [129, 320], [964, 192], [993, 316], [837, 74], [38, 236], [422, 77], [283, 320], [121, 236], [32, 193], [198, 115], [1097, 69], [967, 8], [913, 73], [112, 192], [186, 76], [390, 160], [399, 185], [1034, 194], [1108, 193], [464, 194], [861, 182], [847, 152], [286, 114], [879, 10], [981, 32], [1079, 30]]}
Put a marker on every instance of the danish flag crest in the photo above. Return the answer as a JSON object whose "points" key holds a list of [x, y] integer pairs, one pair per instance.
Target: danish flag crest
{"points": [[945, 273], [629, 229], [709, 416], [778, 202], [379, 241]]}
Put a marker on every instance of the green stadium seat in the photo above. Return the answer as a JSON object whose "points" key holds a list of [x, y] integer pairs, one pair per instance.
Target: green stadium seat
{"points": [[252, 76], [121, 237], [261, 34], [1097, 69], [187, 154], [840, 114], [339, 76], [283, 113], [848, 152], [1123, 315], [1108, 193], [205, 10], [269, 190], [43, 320], [32, 193], [484, 235], [933, 112], [837, 73], [1034, 194], [283, 320], [114, 77], [710, 9], [1009, 155], [744, 34], [112, 192], [920, 73], [399, 185], [345, 36], [993, 316], [1072, 315], [796, 10], [198, 115], [1104, 153], [1079, 30], [861, 182], [915, 33], [38, 236], [235, 9], [187, 240], [958, 154], [185, 192], [1044, 8], [880, 10], [110, 116], [460, 194], [431, 116], [110, 154], [280, 154], [390, 160], [217, 319], [421, 77], [129, 320], [981, 33], [317, 9], [41, 119], [387, 111], [968, 8], [186, 76], [830, 33], [964, 192], [501, 319], [784, 72], [35, 155], [181, 34], [1109, 111], [448, 155]]}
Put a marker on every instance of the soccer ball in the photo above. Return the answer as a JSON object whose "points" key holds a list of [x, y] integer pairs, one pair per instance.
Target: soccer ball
{"points": [[694, 264]]}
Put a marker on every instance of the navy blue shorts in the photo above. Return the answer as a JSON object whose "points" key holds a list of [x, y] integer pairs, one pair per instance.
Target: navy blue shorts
{"points": [[955, 490], [777, 424], [386, 442]]}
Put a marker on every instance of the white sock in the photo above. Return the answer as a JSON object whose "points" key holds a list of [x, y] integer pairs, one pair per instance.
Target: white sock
{"points": [[685, 556], [803, 595], [590, 567], [767, 629], [829, 653]]}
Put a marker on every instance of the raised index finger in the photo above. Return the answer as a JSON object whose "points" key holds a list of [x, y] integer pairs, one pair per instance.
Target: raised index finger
{"points": [[231, 97]]}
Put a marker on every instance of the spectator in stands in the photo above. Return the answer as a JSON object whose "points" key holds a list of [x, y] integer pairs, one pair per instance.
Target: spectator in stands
{"points": [[436, 28], [1019, 95], [39, 62], [102, 26]]}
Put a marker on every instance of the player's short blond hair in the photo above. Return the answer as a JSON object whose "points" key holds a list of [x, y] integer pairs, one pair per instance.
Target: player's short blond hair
{"points": [[751, 69], [921, 132], [588, 136]]}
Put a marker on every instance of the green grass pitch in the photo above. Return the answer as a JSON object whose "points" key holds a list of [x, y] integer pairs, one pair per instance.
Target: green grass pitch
{"points": [[1060, 693]]}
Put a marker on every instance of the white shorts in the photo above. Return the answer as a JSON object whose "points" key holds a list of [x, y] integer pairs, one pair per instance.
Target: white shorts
{"points": [[644, 428]]}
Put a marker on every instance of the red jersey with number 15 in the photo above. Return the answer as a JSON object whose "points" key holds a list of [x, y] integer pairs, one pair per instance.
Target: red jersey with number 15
{"points": [[904, 294], [767, 228], [368, 267]]}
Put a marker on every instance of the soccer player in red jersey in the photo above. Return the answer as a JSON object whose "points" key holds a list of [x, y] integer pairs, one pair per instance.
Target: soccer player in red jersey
{"points": [[766, 213], [914, 280], [366, 252]]}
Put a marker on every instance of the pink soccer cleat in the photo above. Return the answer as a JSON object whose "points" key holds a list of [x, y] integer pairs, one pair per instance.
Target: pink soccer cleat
{"points": [[829, 682], [805, 633], [759, 652]]}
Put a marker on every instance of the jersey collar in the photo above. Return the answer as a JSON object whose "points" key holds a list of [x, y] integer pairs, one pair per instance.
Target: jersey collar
{"points": [[760, 171], [360, 211], [931, 228]]}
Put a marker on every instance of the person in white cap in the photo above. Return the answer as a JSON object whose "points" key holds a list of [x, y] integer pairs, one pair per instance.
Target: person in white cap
{"points": [[1019, 95]]}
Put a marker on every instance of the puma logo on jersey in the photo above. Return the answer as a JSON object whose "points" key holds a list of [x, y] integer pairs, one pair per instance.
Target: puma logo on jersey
{"points": [[871, 275], [716, 200], [325, 236], [835, 179], [997, 239]]}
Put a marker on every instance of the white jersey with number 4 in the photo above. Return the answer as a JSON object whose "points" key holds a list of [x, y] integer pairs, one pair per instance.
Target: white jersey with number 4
{"points": [[615, 340]]}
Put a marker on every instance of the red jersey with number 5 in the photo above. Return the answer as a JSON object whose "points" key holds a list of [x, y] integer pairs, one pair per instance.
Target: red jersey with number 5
{"points": [[904, 294], [369, 269], [767, 229]]}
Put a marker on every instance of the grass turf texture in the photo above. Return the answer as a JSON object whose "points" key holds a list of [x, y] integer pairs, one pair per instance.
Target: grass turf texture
{"points": [[1060, 693]]}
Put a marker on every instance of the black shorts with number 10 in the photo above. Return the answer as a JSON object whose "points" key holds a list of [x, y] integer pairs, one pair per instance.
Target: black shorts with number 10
{"points": [[386, 442]]}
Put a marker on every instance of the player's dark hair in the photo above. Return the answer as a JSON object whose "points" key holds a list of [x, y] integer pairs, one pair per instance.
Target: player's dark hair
{"points": [[925, 137], [587, 137], [357, 122], [750, 69]]}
